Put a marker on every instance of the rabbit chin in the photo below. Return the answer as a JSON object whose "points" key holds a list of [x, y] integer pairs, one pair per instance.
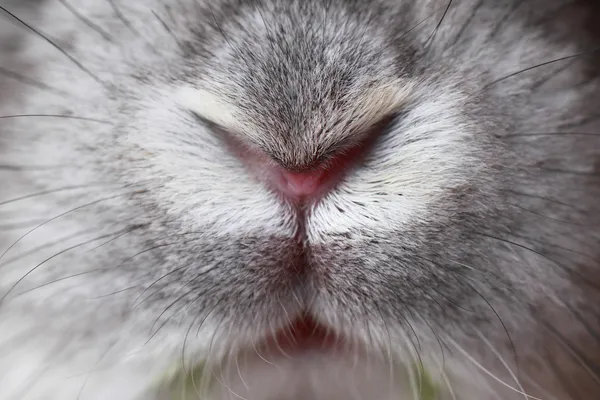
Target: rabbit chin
{"points": [[314, 375]]}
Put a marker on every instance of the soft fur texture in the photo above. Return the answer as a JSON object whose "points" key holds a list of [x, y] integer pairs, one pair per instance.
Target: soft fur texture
{"points": [[133, 236]]}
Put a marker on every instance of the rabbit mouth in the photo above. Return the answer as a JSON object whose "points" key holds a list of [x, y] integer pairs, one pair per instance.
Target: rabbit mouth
{"points": [[302, 335]]}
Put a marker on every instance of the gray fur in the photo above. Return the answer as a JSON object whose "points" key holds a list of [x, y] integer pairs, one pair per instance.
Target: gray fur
{"points": [[468, 237]]}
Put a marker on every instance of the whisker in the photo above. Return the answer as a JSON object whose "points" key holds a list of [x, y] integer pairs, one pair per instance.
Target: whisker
{"points": [[487, 372], [276, 340], [591, 331], [122, 17], [504, 363], [504, 327], [569, 172], [389, 350], [44, 246], [183, 367], [571, 271], [51, 258], [585, 53], [113, 293], [254, 344], [100, 121], [429, 40], [551, 75], [516, 135], [204, 293], [32, 82], [21, 224], [57, 47], [64, 278], [60, 216], [51, 191], [467, 22], [133, 228], [582, 122], [547, 199], [109, 348], [445, 378], [239, 371], [439, 340], [153, 334], [405, 33], [168, 30], [552, 218], [199, 275], [87, 21], [155, 283], [33, 168], [555, 246], [589, 366], [505, 18], [566, 383]]}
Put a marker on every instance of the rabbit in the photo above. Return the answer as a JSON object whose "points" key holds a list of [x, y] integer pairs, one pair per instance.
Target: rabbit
{"points": [[299, 200]]}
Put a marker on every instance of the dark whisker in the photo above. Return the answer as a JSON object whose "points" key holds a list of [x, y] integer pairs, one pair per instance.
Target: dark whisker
{"points": [[199, 275], [592, 368], [167, 309], [44, 246], [51, 191], [198, 296], [401, 315], [467, 22], [566, 171], [551, 75], [547, 199], [584, 121], [585, 53], [17, 168], [95, 367], [21, 224], [405, 33], [560, 374], [168, 30], [60, 216], [100, 121], [64, 278], [505, 18], [568, 270], [591, 331], [57, 47], [121, 17], [93, 271], [556, 246], [31, 82], [87, 21], [156, 282], [133, 228], [512, 344], [113, 293], [439, 24], [51, 258], [551, 134], [552, 218]]}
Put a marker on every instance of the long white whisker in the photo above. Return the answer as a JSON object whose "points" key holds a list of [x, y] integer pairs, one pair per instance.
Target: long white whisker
{"points": [[497, 354], [484, 370]]}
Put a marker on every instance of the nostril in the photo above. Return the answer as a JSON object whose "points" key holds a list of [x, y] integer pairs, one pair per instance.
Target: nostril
{"points": [[302, 183], [316, 182]]}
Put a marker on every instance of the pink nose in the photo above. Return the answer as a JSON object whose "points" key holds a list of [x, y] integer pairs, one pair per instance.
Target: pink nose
{"points": [[301, 184]]}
